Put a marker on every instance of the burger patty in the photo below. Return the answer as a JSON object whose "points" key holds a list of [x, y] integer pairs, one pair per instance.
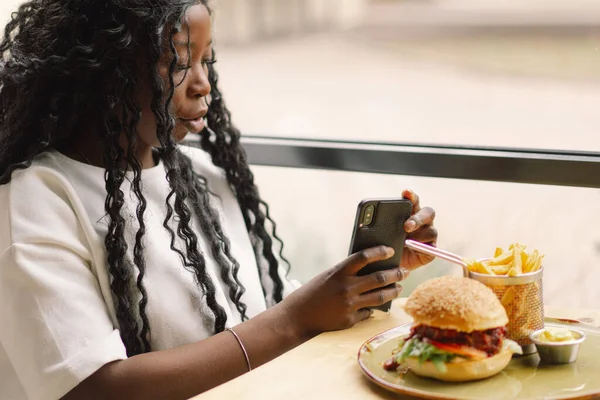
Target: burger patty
{"points": [[489, 341]]}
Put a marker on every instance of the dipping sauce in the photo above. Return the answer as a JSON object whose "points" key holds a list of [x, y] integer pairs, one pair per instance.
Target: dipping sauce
{"points": [[556, 335]]}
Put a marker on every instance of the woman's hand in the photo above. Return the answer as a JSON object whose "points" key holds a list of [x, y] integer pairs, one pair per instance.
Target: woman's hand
{"points": [[338, 299], [420, 228]]}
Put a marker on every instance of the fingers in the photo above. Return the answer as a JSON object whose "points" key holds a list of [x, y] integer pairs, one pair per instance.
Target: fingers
{"points": [[362, 315], [414, 199], [359, 260], [428, 235], [379, 297], [377, 280], [422, 218]]}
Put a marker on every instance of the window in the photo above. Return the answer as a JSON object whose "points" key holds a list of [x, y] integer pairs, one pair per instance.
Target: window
{"points": [[314, 212], [461, 72]]}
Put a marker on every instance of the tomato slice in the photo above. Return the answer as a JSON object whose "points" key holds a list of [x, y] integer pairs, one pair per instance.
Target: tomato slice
{"points": [[460, 350]]}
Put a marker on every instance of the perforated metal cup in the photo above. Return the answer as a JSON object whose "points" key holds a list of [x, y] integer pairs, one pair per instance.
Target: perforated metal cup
{"points": [[523, 299]]}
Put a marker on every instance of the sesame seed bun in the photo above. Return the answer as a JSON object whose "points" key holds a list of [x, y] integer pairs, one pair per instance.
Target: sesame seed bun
{"points": [[462, 370], [457, 303]]}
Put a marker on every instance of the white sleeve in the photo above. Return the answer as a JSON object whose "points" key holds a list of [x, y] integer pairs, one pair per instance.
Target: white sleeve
{"points": [[54, 323]]}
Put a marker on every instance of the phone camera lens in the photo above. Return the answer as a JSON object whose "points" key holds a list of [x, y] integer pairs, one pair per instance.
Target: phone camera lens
{"points": [[368, 216]]}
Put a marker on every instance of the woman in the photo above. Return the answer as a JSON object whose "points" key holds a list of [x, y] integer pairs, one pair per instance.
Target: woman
{"points": [[127, 259]]}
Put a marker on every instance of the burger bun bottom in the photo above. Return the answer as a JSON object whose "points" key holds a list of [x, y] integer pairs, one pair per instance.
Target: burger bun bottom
{"points": [[462, 371]]}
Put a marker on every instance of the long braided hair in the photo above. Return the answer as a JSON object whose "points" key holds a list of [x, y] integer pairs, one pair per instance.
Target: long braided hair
{"points": [[68, 64]]}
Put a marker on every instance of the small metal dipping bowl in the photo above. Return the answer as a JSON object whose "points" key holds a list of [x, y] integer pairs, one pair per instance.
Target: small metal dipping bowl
{"points": [[558, 352]]}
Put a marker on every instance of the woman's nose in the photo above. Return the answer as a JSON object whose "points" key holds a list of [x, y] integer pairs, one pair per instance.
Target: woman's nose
{"points": [[200, 85]]}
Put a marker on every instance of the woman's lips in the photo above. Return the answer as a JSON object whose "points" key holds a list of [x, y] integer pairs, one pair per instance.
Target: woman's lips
{"points": [[195, 125]]}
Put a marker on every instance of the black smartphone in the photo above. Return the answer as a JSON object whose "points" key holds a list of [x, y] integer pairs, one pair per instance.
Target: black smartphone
{"points": [[381, 222]]}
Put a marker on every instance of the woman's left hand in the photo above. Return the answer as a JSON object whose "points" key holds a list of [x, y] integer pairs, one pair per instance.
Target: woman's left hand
{"points": [[420, 228]]}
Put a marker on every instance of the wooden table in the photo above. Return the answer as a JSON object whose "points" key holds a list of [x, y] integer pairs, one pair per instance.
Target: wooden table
{"points": [[326, 367]]}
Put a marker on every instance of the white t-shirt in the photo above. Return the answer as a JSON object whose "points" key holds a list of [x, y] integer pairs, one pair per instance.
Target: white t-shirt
{"points": [[57, 318]]}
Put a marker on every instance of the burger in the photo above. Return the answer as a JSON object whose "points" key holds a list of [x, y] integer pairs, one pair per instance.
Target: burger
{"points": [[458, 333]]}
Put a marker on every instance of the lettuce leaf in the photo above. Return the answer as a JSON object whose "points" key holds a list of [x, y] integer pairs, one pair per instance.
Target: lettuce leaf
{"points": [[424, 352]]}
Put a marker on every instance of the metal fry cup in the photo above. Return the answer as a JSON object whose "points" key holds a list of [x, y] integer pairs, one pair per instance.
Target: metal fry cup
{"points": [[523, 299]]}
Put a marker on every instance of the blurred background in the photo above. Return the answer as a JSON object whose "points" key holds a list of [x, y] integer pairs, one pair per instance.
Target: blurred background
{"points": [[511, 73]]}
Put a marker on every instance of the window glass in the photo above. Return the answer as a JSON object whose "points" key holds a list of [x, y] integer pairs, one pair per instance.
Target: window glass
{"points": [[466, 72], [314, 212]]}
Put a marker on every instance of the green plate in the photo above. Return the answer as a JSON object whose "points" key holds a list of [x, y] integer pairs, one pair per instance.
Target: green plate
{"points": [[524, 378]]}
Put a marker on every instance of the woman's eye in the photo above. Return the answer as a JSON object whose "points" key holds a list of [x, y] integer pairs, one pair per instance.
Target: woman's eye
{"points": [[209, 61], [182, 67]]}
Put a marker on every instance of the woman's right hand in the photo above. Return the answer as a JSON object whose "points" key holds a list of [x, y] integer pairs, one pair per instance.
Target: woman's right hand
{"points": [[338, 298]]}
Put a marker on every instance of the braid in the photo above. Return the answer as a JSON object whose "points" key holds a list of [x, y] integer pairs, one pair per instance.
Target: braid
{"points": [[132, 115], [116, 246], [211, 225], [222, 142]]}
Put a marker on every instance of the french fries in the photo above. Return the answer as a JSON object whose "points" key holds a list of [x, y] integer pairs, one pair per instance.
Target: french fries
{"points": [[512, 262], [523, 302]]}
